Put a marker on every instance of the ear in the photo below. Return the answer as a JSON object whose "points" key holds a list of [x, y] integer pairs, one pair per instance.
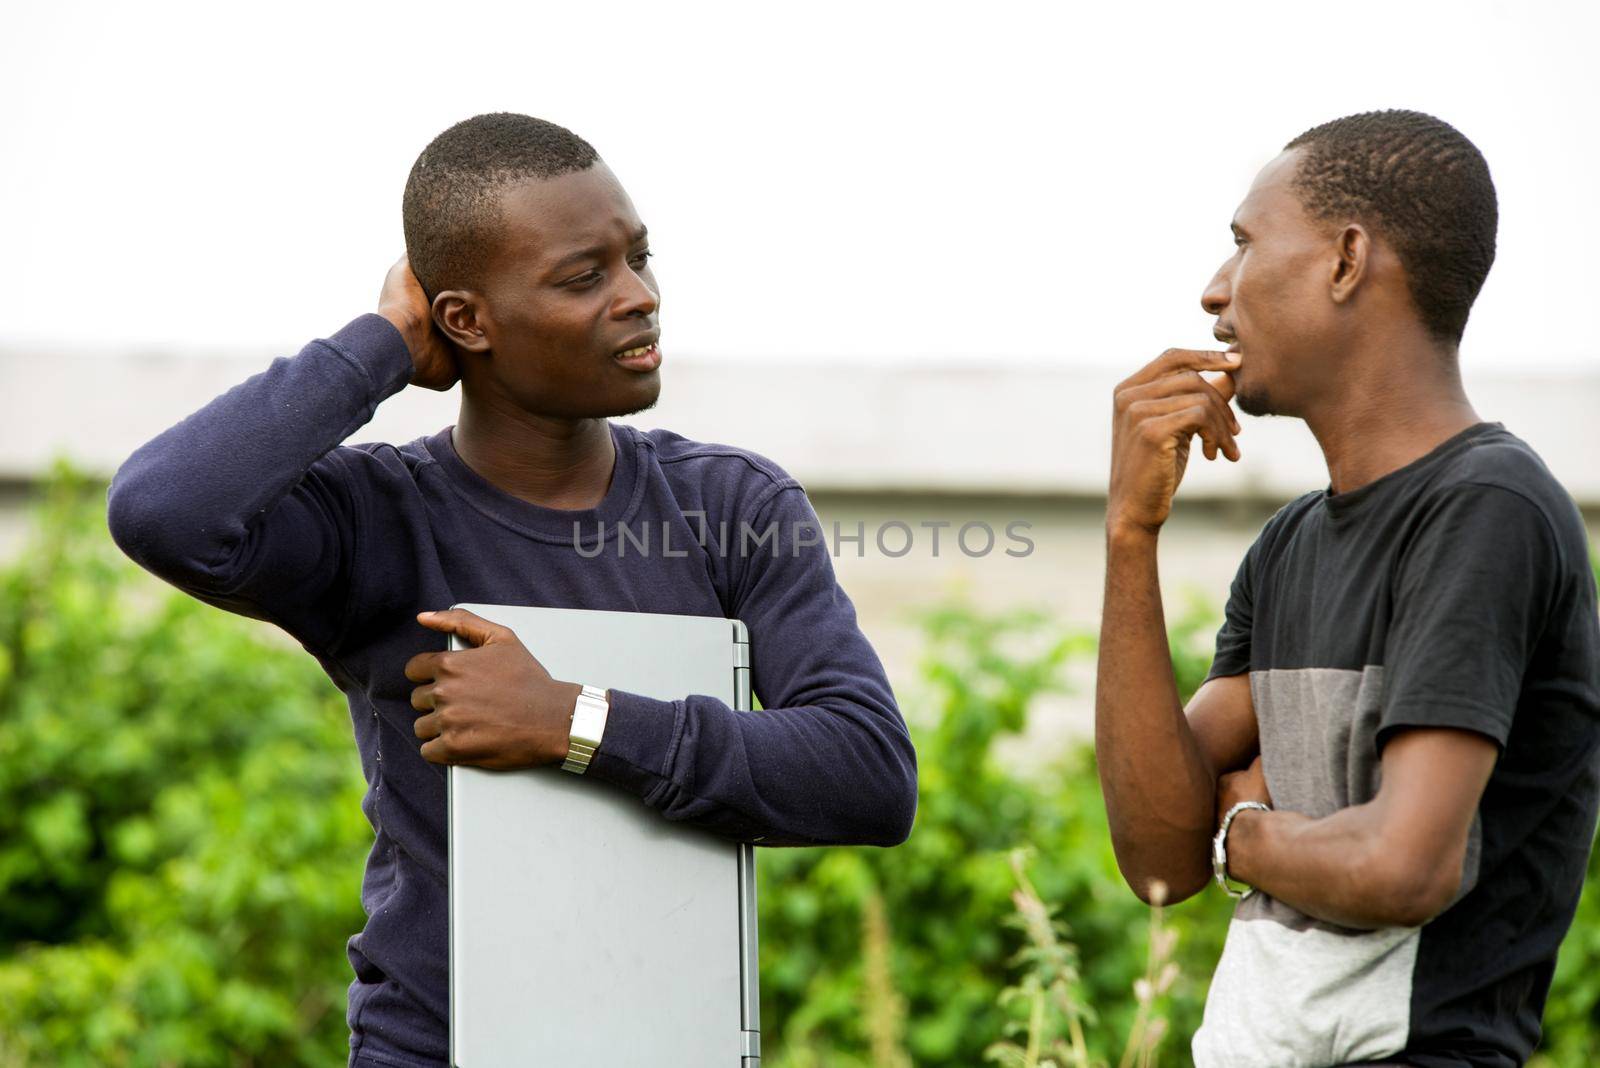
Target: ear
{"points": [[459, 315], [1354, 248]]}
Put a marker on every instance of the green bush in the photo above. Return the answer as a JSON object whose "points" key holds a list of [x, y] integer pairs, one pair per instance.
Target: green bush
{"points": [[181, 838], [947, 892]]}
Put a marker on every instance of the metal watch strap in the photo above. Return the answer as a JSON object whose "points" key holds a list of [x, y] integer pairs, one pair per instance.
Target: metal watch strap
{"points": [[588, 726], [1219, 850]]}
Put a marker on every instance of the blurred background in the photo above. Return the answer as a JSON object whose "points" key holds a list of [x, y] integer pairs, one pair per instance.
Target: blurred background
{"points": [[905, 250]]}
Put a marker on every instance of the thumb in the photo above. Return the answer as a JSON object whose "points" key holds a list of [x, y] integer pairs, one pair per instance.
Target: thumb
{"points": [[471, 626]]}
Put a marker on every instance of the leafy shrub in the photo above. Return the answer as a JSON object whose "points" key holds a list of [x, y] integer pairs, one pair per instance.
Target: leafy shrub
{"points": [[1053, 1033], [181, 837], [948, 891]]}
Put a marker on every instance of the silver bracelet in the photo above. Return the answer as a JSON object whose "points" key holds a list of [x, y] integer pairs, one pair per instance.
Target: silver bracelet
{"points": [[1219, 850]]}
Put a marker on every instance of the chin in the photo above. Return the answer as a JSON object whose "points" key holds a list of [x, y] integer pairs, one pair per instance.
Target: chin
{"points": [[637, 400], [1255, 402]]}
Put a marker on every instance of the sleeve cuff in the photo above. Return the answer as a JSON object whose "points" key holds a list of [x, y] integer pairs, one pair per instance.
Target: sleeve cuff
{"points": [[1493, 723], [375, 345], [1226, 664], [641, 733]]}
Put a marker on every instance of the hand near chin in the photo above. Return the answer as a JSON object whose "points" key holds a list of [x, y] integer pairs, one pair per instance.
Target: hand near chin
{"points": [[1156, 414], [404, 303]]}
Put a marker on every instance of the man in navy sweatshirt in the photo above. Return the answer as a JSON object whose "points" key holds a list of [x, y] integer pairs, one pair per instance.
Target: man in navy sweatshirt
{"points": [[527, 278]]}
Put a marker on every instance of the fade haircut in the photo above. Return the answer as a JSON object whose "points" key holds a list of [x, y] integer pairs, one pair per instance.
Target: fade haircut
{"points": [[1423, 188], [451, 207]]}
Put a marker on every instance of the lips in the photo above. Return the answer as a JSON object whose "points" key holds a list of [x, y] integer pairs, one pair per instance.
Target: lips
{"points": [[640, 358]]}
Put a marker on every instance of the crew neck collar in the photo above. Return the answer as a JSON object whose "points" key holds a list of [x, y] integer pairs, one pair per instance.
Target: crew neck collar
{"points": [[548, 524], [1343, 505]]}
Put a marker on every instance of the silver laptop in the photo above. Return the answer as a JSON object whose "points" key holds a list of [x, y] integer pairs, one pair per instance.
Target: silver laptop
{"points": [[585, 929]]}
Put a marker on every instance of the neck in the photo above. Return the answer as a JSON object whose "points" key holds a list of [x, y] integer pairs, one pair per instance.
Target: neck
{"points": [[556, 463], [1383, 420]]}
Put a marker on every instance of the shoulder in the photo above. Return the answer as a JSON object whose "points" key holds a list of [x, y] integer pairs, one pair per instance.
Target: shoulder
{"points": [[715, 474], [1498, 457], [1499, 481], [385, 459], [1281, 526], [710, 459], [379, 474], [1291, 514]]}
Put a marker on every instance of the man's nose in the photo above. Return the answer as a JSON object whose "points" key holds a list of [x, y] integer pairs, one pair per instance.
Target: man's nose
{"points": [[636, 296], [1218, 292]]}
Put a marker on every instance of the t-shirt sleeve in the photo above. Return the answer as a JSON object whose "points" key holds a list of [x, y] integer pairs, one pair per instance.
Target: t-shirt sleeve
{"points": [[1233, 640], [1472, 591]]}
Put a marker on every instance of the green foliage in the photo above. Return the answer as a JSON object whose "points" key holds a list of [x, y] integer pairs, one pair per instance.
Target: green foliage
{"points": [[180, 828], [1049, 989], [1053, 1032], [948, 890]]}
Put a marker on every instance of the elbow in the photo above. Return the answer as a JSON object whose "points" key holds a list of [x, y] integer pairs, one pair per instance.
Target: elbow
{"points": [[1155, 891], [143, 522], [902, 816], [131, 518], [1161, 883], [895, 813], [894, 808], [1425, 896], [1162, 863], [1407, 891]]}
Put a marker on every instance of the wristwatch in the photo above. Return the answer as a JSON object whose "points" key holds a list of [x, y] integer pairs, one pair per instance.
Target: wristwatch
{"points": [[588, 726], [1219, 850]]}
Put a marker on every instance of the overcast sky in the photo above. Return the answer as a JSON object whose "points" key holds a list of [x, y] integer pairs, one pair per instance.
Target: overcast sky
{"points": [[872, 181]]}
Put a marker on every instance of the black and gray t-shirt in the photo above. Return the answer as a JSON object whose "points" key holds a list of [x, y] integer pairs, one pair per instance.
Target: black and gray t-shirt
{"points": [[1454, 592]]}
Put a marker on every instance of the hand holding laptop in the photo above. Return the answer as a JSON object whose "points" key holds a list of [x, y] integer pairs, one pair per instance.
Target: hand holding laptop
{"points": [[494, 705]]}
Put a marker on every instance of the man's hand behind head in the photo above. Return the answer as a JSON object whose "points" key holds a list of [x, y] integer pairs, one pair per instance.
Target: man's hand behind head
{"points": [[404, 304]]}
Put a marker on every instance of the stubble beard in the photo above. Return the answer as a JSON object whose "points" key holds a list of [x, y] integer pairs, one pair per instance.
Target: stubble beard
{"points": [[1255, 402]]}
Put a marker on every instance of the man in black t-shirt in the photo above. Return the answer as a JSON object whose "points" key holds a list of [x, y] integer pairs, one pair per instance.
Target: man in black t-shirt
{"points": [[1396, 755]]}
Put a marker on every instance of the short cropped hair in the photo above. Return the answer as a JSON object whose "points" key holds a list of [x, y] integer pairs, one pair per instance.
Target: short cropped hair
{"points": [[451, 207], [1422, 187]]}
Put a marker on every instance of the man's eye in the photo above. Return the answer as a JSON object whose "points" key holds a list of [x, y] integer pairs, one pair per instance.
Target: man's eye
{"points": [[583, 281], [640, 258]]}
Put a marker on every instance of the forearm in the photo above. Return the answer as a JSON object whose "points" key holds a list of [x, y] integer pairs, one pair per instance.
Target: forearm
{"points": [[828, 760], [838, 772], [1336, 869], [1159, 789], [182, 503]]}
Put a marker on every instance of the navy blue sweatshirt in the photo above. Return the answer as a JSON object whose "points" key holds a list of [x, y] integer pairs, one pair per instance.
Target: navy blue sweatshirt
{"points": [[252, 505]]}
